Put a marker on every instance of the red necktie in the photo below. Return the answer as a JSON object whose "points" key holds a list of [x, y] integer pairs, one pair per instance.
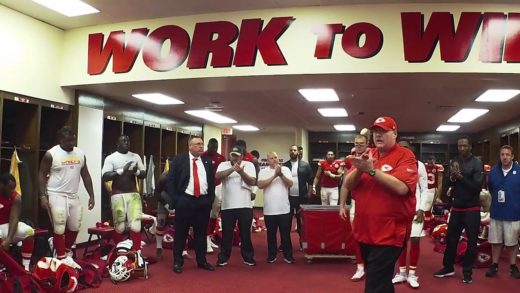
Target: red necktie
{"points": [[196, 183]]}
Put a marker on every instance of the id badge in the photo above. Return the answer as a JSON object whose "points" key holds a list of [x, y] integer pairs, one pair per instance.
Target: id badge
{"points": [[501, 196]]}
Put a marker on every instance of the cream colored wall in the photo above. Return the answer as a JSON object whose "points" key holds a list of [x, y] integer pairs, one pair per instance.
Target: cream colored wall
{"points": [[211, 132], [297, 44], [264, 143], [90, 140], [30, 57]]}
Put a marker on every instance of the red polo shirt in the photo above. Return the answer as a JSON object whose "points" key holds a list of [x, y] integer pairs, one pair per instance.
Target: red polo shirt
{"points": [[333, 167], [216, 159], [384, 217]]}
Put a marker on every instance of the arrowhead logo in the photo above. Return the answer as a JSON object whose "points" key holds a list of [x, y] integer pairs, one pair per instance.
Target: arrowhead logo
{"points": [[386, 168], [380, 120]]}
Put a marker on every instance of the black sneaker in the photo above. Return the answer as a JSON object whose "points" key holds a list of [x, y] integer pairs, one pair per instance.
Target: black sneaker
{"points": [[250, 262], [492, 270], [467, 279], [514, 272], [271, 259], [221, 263], [444, 272], [289, 260]]}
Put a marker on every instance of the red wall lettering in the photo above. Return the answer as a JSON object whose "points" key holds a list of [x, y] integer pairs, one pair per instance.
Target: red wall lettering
{"points": [[492, 37], [205, 42], [252, 39], [179, 48], [123, 56], [325, 44], [373, 40], [512, 49], [455, 46]]}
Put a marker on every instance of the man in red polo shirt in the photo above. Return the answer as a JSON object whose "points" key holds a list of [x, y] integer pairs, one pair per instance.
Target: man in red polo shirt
{"points": [[383, 184], [216, 159]]}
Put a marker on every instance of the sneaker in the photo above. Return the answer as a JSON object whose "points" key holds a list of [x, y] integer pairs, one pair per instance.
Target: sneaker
{"points": [[271, 259], [250, 262], [221, 263], [444, 272], [399, 278], [413, 281], [492, 270], [467, 279], [185, 254], [209, 248], [71, 263], [289, 260], [514, 272], [359, 275], [213, 245]]}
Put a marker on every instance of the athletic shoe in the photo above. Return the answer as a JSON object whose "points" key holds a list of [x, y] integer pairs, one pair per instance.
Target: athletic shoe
{"points": [[413, 281], [399, 278], [444, 272], [271, 259], [467, 279], [185, 254], [359, 275], [289, 260], [514, 272], [492, 270], [71, 263], [209, 248], [213, 245], [221, 263], [250, 262]]}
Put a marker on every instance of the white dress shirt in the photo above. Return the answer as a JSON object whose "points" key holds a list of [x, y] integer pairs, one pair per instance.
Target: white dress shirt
{"points": [[201, 171]]}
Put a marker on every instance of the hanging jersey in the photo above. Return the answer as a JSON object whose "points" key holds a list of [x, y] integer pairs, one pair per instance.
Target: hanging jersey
{"points": [[6, 203], [65, 170], [216, 159], [433, 173], [333, 167]]}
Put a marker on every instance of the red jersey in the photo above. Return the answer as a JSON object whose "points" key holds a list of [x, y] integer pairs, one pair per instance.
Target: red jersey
{"points": [[249, 157], [382, 216], [333, 167], [6, 203], [216, 159], [433, 175]]}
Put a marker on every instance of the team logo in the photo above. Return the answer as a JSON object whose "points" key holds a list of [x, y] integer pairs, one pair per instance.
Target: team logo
{"points": [[336, 165], [380, 120], [386, 168], [1, 206], [514, 172]]}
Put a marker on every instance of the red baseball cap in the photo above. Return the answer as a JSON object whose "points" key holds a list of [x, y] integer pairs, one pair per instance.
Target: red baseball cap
{"points": [[387, 123]]}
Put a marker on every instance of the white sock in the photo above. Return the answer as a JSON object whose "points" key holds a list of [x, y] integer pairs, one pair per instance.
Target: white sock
{"points": [[411, 273], [26, 263], [360, 267], [158, 241], [402, 270]]}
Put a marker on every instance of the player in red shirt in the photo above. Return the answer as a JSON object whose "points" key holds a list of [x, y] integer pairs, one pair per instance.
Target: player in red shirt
{"points": [[434, 172], [383, 184], [332, 170], [216, 159], [360, 147], [11, 229]]}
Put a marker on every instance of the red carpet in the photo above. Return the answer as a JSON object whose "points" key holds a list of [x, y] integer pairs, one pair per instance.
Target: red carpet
{"points": [[320, 276]]}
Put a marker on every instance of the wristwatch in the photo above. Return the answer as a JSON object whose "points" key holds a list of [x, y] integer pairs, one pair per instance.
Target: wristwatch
{"points": [[372, 172]]}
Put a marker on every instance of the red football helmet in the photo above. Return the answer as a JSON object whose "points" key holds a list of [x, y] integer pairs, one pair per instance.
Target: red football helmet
{"points": [[55, 276]]}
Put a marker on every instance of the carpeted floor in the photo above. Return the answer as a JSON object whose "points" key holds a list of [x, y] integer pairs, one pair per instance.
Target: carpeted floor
{"points": [[326, 275]]}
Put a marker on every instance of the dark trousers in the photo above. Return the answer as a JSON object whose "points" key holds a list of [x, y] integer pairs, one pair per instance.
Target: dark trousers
{"points": [[379, 266], [193, 212], [230, 217], [274, 223], [470, 221], [295, 202]]}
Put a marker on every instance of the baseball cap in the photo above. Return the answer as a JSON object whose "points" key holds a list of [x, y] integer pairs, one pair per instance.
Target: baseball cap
{"points": [[236, 151], [387, 123]]}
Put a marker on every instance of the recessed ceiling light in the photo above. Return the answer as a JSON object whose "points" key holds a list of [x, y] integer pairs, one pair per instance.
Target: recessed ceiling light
{"points": [[319, 95], [448, 127], [68, 8], [210, 116], [467, 115], [497, 95], [246, 127], [345, 127], [158, 99], [333, 112]]}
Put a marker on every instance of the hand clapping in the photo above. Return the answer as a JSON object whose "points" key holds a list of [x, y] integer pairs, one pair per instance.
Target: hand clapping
{"points": [[237, 168], [363, 163]]}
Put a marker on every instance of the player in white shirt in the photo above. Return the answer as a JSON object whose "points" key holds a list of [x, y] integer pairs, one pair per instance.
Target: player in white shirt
{"points": [[122, 167], [237, 177], [60, 171], [276, 181]]}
